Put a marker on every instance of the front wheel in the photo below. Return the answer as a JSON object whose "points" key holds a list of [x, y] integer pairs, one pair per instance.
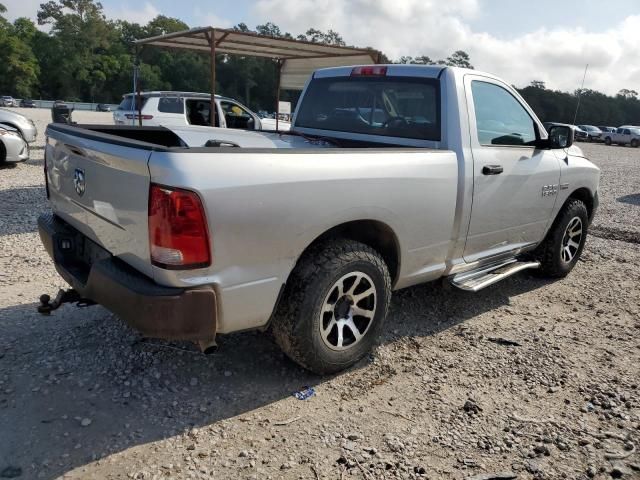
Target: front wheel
{"points": [[607, 141], [562, 247], [334, 306], [635, 143]]}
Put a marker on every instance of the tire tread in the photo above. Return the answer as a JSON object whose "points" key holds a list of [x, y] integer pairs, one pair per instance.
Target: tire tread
{"points": [[320, 260], [546, 251]]}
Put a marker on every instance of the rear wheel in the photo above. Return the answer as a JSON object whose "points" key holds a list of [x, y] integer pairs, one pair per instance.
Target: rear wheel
{"points": [[634, 143], [334, 306], [560, 251]]}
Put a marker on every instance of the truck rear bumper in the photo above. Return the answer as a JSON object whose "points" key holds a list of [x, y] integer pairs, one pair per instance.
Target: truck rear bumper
{"points": [[154, 310]]}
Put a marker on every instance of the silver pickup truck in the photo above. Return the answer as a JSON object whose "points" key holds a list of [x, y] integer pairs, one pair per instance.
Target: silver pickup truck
{"points": [[391, 176]]}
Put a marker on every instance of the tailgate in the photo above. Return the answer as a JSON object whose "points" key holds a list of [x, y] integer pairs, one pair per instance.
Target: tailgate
{"points": [[101, 187]]}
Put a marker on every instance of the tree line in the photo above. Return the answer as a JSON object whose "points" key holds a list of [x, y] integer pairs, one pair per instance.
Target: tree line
{"points": [[86, 56]]}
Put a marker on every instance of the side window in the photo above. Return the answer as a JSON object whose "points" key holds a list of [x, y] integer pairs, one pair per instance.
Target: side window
{"points": [[236, 116], [500, 118], [198, 112], [627, 132], [171, 105]]}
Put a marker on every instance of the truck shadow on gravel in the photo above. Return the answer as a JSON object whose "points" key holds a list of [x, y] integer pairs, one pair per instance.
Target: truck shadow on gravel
{"points": [[79, 386], [633, 199]]}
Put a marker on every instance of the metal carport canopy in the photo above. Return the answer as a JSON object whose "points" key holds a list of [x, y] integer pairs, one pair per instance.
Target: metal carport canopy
{"points": [[298, 59]]}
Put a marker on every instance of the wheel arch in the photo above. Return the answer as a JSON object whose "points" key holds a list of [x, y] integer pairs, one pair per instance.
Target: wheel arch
{"points": [[373, 233], [585, 196]]}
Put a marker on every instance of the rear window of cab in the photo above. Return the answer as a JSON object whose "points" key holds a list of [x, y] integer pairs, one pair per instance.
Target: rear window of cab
{"points": [[376, 105]]}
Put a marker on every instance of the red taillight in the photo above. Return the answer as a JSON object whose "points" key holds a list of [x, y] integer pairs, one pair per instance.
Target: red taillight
{"points": [[178, 233], [131, 116], [370, 71]]}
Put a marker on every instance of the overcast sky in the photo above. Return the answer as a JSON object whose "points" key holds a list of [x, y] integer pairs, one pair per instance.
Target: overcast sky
{"points": [[549, 40]]}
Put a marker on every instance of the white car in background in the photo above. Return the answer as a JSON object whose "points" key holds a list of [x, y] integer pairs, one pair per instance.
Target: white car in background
{"points": [[172, 109], [7, 101], [13, 148], [624, 136]]}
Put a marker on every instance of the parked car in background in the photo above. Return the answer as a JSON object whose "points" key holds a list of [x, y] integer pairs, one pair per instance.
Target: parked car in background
{"points": [[624, 136], [580, 134], [188, 108], [13, 148], [594, 134], [27, 103], [7, 101], [103, 107], [606, 130], [22, 124], [308, 232]]}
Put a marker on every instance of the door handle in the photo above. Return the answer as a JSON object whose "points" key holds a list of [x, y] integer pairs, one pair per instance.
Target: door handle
{"points": [[492, 170]]}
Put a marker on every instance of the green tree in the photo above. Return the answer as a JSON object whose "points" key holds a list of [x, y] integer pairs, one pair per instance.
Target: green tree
{"points": [[330, 37], [19, 68], [626, 93], [460, 58], [83, 38], [421, 60]]}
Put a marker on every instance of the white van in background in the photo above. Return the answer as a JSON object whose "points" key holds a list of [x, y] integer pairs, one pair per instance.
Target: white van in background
{"points": [[188, 108]]}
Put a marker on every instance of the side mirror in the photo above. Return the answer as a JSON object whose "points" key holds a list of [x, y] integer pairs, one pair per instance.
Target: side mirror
{"points": [[561, 136]]}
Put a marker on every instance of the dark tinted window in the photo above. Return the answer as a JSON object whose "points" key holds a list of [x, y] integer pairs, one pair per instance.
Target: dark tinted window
{"points": [[171, 105], [500, 118], [129, 103], [126, 104], [387, 106]]}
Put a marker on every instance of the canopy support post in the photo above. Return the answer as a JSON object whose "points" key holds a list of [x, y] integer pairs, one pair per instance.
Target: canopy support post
{"points": [[138, 87], [279, 73], [212, 43]]}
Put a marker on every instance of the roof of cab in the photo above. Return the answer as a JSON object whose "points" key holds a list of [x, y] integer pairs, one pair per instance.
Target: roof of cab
{"points": [[393, 70], [403, 70]]}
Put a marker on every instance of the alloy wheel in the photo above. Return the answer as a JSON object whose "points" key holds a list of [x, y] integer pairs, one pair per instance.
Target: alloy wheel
{"points": [[348, 311], [571, 240]]}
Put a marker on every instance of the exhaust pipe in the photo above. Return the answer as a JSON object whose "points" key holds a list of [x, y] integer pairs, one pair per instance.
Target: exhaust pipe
{"points": [[208, 347]]}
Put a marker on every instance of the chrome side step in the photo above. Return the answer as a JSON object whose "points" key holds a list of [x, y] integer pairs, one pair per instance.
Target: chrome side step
{"points": [[475, 280]]}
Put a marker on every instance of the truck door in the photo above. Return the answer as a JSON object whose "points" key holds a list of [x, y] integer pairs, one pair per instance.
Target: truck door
{"points": [[515, 184]]}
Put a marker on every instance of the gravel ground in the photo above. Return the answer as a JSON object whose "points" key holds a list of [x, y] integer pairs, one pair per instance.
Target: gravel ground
{"points": [[530, 378]]}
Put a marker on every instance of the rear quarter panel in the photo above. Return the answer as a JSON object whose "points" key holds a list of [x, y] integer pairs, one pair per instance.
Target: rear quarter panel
{"points": [[264, 208]]}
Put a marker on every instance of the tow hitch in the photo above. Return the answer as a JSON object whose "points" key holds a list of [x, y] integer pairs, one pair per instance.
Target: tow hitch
{"points": [[64, 296]]}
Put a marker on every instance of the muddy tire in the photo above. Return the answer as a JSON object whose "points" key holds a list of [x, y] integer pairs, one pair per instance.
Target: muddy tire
{"points": [[333, 307], [562, 247]]}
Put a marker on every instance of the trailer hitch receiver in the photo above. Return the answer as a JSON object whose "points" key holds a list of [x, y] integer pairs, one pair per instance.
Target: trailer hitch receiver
{"points": [[64, 296]]}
